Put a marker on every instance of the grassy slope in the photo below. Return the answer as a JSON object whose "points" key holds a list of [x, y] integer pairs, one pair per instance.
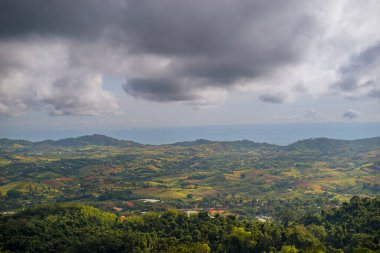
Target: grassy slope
{"points": [[91, 166]]}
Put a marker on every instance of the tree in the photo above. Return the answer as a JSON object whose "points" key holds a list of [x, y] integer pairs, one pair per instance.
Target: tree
{"points": [[13, 194], [240, 241], [288, 249]]}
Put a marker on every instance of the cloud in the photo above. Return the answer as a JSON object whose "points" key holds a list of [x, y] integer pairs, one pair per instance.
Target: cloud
{"points": [[208, 50], [351, 114], [186, 51], [360, 75], [160, 90], [40, 76], [87, 18], [273, 98], [313, 114]]}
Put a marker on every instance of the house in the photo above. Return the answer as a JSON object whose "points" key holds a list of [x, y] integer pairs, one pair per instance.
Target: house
{"points": [[213, 211]]}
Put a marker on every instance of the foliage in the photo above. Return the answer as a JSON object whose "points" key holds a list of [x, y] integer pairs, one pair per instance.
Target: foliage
{"points": [[78, 228]]}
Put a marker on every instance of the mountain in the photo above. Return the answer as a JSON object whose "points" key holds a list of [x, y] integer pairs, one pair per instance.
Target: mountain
{"points": [[325, 145], [95, 139], [10, 144], [192, 143]]}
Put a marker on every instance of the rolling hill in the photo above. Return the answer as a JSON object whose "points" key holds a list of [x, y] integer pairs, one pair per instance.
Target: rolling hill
{"points": [[241, 177]]}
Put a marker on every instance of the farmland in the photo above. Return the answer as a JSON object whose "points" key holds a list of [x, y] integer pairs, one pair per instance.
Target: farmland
{"points": [[238, 177]]}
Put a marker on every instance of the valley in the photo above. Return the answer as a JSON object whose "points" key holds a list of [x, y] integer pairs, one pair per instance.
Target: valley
{"points": [[237, 177]]}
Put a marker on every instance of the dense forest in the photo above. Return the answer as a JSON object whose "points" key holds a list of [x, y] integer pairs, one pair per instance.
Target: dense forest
{"points": [[354, 227]]}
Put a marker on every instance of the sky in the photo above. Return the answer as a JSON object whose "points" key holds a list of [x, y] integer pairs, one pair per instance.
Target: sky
{"points": [[91, 65]]}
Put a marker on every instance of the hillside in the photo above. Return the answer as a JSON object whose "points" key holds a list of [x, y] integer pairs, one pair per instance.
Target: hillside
{"points": [[329, 146], [82, 141], [323, 145], [238, 177]]}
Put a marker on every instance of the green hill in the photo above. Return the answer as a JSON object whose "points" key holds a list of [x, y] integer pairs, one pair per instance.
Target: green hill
{"points": [[325, 145], [236, 177], [95, 139]]}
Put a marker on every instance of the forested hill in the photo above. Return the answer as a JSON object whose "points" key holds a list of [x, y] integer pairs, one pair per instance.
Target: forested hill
{"points": [[94, 139], [315, 144], [74, 228], [325, 145], [82, 141]]}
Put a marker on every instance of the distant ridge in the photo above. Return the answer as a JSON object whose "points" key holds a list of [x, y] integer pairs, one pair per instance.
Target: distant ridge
{"points": [[323, 145], [192, 143], [95, 139], [239, 143]]}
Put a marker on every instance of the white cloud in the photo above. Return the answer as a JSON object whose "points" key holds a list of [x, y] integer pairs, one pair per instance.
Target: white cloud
{"points": [[39, 75], [351, 114]]}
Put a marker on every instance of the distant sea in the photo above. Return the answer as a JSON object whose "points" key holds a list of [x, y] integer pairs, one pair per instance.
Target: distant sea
{"points": [[282, 134]]}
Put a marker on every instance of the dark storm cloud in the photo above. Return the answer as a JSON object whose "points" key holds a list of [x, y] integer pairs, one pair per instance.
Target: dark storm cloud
{"points": [[159, 90], [56, 18], [362, 60], [208, 28], [216, 43], [212, 43], [357, 67], [169, 50]]}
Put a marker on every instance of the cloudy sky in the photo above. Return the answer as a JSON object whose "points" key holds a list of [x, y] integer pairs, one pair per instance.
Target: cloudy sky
{"points": [[79, 64]]}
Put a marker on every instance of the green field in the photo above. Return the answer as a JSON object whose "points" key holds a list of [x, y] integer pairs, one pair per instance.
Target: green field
{"points": [[239, 177]]}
